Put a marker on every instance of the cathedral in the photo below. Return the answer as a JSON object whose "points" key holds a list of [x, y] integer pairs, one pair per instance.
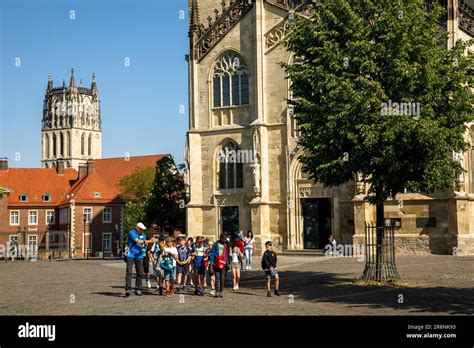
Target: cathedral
{"points": [[242, 144], [71, 125]]}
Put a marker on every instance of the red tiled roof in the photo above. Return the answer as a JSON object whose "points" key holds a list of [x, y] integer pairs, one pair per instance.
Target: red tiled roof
{"points": [[84, 191], [111, 170], [103, 180], [35, 182]]}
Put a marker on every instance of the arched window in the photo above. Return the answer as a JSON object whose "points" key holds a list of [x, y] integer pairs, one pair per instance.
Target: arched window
{"points": [[54, 146], [231, 170], [68, 137], [47, 148], [83, 144], [230, 81], [61, 145], [294, 126], [89, 145]]}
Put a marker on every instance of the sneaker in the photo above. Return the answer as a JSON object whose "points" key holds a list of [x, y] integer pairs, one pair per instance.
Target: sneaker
{"points": [[237, 286], [172, 291], [138, 293], [196, 292], [246, 268], [167, 293], [217, 294], [269, 294], [250, 268], [161, 291], [277, 293], [148, 283], [212, 292], [127, 293], [221, 293]]}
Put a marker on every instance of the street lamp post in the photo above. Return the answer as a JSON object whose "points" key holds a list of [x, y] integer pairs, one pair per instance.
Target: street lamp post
{"points": [[117, 239], [26, 243], [68, 239], [84, 219]]}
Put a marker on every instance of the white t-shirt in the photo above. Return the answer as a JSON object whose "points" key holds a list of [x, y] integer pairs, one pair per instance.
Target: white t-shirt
{"points": [[235, 255], [173, 251], [248, 242]]}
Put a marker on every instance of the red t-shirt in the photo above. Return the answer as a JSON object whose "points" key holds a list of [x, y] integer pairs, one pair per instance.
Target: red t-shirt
{"points": [[206, 254], [240, 245]]}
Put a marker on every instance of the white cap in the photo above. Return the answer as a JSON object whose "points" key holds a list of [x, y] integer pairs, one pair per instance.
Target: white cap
{"points": [[141, 226]]}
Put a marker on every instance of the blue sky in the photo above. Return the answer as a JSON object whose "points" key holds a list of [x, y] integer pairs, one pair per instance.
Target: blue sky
{"points": [[140, 104]]}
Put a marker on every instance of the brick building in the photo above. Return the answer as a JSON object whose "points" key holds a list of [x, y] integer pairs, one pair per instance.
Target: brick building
{"points": [[64, 211]]}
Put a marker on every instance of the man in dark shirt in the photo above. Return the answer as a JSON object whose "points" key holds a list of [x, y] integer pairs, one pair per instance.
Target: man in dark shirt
{"points": [[269, 265]]}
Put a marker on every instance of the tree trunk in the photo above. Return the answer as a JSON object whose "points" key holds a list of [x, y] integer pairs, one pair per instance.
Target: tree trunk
{"points": [[380, 223]]}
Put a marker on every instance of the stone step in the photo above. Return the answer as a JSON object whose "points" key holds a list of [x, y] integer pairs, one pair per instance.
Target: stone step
{"points": [[304, 252]]}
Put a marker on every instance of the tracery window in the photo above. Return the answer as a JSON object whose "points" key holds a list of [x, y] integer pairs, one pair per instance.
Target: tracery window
{"points": [[230, 83]]}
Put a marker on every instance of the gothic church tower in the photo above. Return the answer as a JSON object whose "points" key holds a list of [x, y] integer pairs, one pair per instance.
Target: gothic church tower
{"points": [[71, 125]]}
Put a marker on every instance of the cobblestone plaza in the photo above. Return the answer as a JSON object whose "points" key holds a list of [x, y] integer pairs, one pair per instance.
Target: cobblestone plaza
{"points": [[435, 285]]}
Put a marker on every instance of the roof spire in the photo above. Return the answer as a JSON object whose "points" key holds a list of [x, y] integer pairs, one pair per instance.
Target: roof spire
{"points": [[194, 20], [93, 85], [50, 83], [71, 81]]}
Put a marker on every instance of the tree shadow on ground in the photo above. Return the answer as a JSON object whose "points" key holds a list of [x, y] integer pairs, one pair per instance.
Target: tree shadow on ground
{"points": [[340, 289]]}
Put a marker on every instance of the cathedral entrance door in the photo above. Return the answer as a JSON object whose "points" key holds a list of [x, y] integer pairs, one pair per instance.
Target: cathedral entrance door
{"points": [[230, 220], [316, 222]]}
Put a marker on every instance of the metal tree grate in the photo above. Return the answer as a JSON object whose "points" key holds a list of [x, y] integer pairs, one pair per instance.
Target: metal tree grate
{"points": [[380, 264]]}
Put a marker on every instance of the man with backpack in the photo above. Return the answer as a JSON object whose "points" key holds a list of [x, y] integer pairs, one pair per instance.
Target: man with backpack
{"points": [[219, 259]]}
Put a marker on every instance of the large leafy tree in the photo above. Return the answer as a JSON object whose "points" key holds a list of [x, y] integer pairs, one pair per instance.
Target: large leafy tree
{"points": [[357, 55], [165, 206], [136, 188]]}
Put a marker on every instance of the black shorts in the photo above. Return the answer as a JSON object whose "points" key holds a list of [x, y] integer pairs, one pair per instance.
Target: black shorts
{"points": [[201, 270], [146, 265], [184, 269]]}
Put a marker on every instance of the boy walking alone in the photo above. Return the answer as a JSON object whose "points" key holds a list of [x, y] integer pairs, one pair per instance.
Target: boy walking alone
{"points": [[269, 265]]}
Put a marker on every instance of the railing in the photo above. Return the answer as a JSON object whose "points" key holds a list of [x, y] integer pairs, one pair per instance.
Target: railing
{"points": [[216, 30], [275, 35]]}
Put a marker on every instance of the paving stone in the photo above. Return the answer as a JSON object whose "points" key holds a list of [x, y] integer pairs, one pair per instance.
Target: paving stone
{"points": [[436, 285]]}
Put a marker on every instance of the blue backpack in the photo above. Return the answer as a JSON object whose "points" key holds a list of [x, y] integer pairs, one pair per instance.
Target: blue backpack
{"points": [[167, 263]]}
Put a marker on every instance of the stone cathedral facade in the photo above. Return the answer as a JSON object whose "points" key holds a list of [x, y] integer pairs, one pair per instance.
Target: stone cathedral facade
{"points": [[71, 124], [242, 151]]}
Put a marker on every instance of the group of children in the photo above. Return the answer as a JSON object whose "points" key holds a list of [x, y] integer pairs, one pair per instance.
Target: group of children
{"points": [[203, 262]]}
